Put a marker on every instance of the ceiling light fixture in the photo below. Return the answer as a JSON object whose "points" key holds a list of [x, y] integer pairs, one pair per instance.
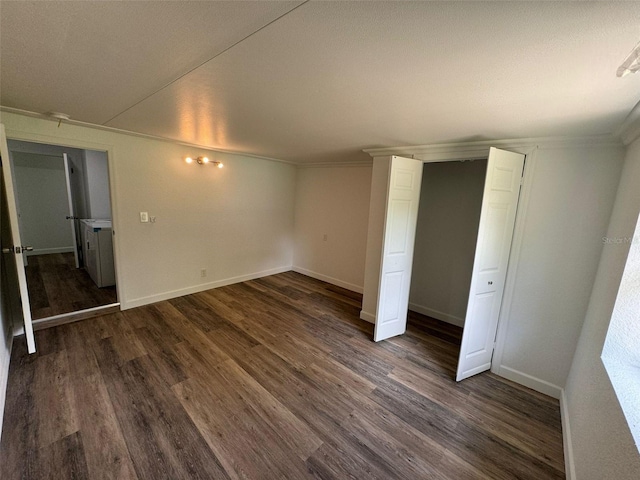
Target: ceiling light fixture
{"points": [[631, 64], [59, 116], [203, 161]]}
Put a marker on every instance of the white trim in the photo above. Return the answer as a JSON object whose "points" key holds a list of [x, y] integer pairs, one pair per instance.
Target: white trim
{"points": [[367, 317], [569, 462], [27, 113], [438, 315], [530, 381], [138, 302], [47, 251], [71, 315], [444, 151], [325, 278], [361, 163]]}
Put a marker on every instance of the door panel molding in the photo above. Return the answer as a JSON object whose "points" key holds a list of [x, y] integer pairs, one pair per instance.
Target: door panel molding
{"points": [[399, 231]]}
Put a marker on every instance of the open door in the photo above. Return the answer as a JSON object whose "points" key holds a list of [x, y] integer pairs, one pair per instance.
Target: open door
{"points": [[403, 197], [497, 221], [72, 216], [15, 248]]}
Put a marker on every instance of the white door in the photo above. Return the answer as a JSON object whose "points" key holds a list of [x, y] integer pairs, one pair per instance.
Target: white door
{"points": [[403, 197], [16, 248], [497, 220], [72, 216]]}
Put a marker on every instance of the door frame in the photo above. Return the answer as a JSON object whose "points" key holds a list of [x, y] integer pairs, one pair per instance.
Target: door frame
{"points": [[83, 145], [456, 153]]}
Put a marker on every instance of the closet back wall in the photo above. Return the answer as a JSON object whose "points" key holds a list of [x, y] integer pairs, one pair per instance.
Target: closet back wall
{"points": [[450, 204]]}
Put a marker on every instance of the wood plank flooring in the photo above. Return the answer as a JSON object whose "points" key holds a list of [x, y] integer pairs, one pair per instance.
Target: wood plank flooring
{"points": [[56, 286], [272, 378]]}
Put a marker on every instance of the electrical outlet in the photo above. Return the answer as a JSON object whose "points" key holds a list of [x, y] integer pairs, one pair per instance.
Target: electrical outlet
{"points": [[144, 217], [325, 237], [152, 219], [203, 272]]}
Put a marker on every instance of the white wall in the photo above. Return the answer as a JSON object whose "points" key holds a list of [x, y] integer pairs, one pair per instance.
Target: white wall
{"points": [[332, 201], [236, 222], [96, 174], [76, 160], [448, 218], [42, 200], [570, 201], [598, 442]]}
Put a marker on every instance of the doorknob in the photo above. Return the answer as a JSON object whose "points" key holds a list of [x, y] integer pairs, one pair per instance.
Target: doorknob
{"points": [[17, 250]]}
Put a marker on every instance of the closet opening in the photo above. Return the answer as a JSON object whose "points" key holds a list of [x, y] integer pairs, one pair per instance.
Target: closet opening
{"points": [[445, 242]]}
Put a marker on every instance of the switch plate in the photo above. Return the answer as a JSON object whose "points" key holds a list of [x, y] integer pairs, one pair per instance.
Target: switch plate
{"points": [[144, 217]]}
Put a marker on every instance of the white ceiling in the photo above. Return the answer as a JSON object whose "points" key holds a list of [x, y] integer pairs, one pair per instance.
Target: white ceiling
{"points": [[319, 81]]}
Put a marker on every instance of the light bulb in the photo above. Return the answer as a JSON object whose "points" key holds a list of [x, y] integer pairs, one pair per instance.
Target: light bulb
{"points": [[205, 160], [220, 165], [188, 160]]}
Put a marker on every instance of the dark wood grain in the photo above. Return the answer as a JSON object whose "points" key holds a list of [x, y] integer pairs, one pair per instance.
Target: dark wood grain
{"points": [[56, 286], [271, 378]]}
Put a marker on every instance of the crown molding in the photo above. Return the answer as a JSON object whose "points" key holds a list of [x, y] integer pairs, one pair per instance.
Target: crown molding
{"points": [[359, 163], [629, 131], [480, 149], [95, 126]]}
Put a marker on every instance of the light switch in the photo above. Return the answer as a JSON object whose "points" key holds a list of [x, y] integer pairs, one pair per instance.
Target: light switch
{"points": [[144, 217]]}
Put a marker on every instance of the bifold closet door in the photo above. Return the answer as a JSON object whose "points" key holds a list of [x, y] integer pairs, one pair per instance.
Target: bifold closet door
{"points": [[403, 197], [495, 233]]}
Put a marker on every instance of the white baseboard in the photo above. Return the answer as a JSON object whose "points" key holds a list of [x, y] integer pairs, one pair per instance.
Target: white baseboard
{"points": [[47, 251], [367, 317], [325, 278], [529, 381], [430, 312], [569, 463], [138, 302]]}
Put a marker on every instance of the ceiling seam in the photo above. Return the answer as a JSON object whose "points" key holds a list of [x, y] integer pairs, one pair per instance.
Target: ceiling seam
{"points": [[206, 61]]}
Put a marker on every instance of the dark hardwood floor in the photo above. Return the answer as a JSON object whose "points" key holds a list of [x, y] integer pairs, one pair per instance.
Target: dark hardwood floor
{"points": [[56, 286], [272, 378]]}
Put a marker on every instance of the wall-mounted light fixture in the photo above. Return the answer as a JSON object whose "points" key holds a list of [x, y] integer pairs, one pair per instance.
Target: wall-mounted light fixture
{"points": [[203, 161]]}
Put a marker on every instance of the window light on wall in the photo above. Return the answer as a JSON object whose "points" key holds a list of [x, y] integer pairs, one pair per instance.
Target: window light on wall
{"points": [[621, 352]]}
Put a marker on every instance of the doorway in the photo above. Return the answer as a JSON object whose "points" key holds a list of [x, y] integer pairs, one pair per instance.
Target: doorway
{"points": [[64, 214]]}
